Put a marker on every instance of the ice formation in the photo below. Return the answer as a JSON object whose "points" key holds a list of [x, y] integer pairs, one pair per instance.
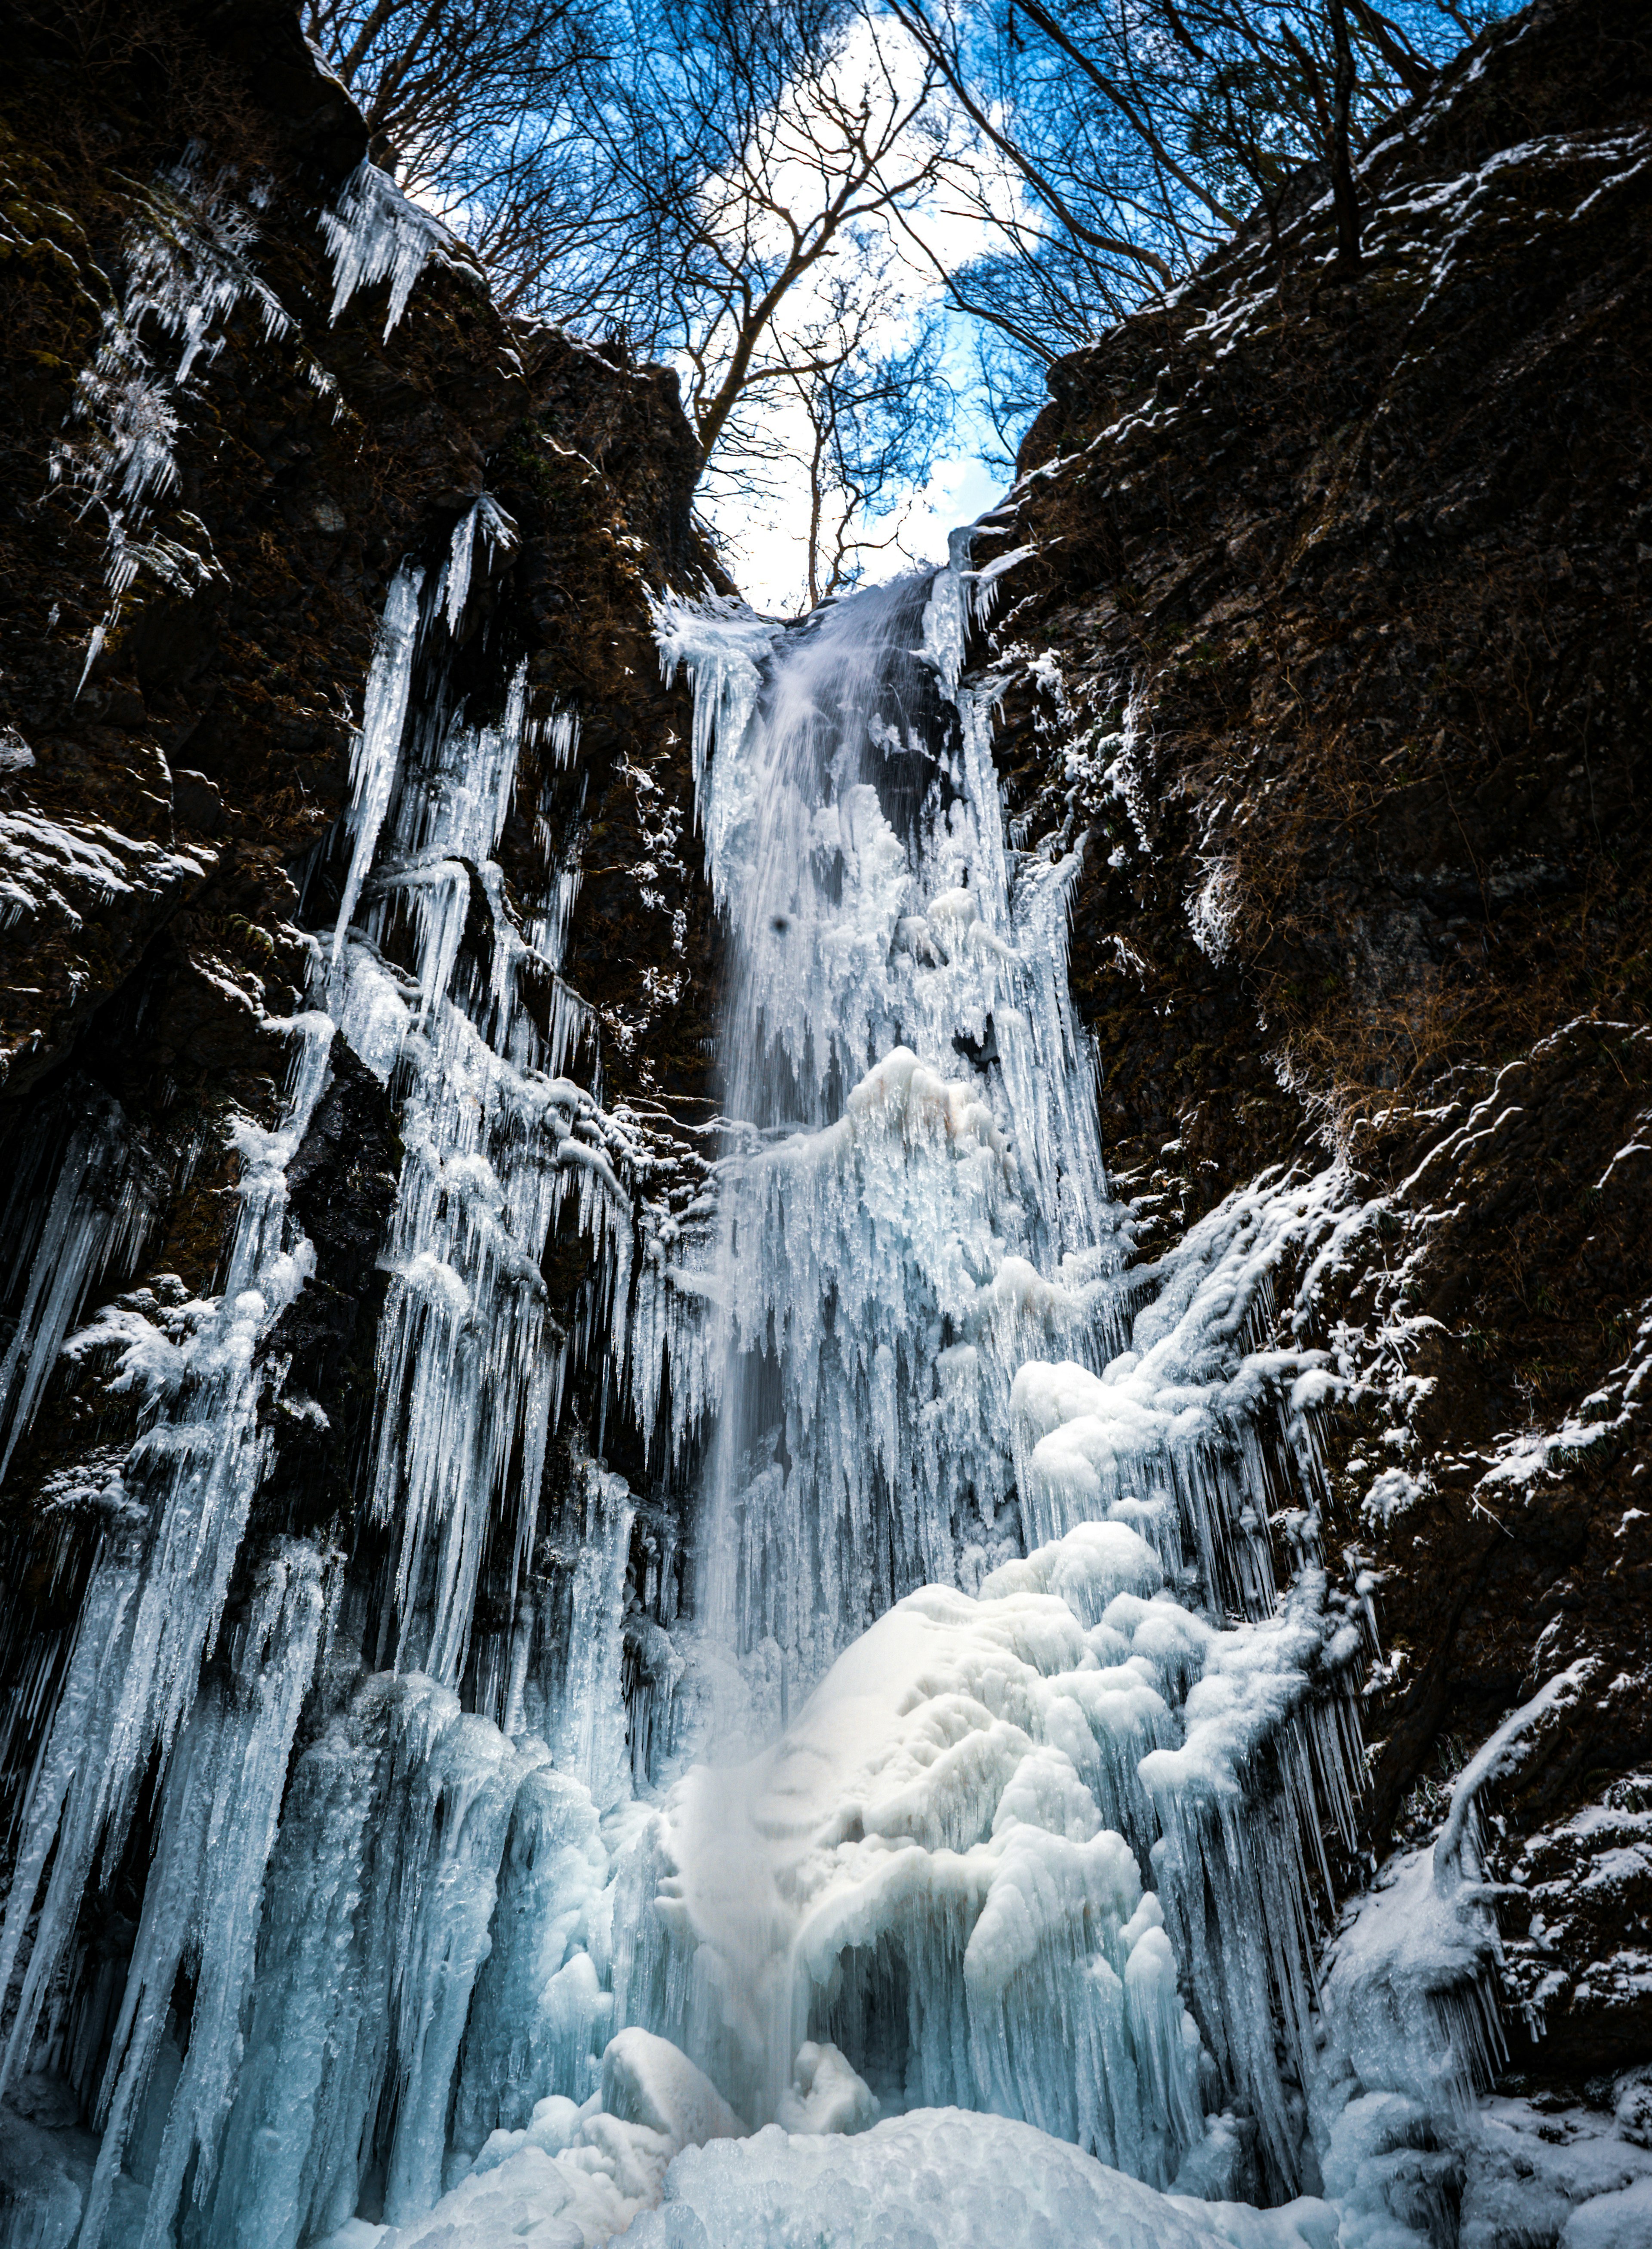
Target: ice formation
{"points": [[943, 1847], [186, 268], [373, 233], [944, 2179]]}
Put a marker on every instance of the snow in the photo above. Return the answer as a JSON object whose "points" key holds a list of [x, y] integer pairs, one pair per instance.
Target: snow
{"points": [[576, 2175], [937, 2178], [61, 874], [1622, 2220]]}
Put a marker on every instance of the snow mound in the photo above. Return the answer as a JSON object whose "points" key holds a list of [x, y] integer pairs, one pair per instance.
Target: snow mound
{"points": [[938, 2179], [576, 2176], [647, 2081]]}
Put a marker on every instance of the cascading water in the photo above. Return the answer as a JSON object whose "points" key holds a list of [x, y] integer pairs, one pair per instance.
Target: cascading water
{"points": [[986, 1764], [875, 1184], [951, 1843]]}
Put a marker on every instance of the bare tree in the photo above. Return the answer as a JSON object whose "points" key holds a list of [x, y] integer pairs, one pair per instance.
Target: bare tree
{"points": [[436, 79], [475, 108], [679, 175], [750, 142], [1117, 141], [877, 405]]}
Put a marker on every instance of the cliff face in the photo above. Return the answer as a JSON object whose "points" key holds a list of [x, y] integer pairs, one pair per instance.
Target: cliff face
{"points": [[1329, 642], [216, 454], [1319, 627]]}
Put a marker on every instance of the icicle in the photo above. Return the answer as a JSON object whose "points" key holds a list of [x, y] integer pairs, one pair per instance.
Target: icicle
{"points": [[588, 1727], [383, 1890], [540, 2019], [98, 1216], [373, 231], [156, 1596], [378, 739], [186, 268], [489, 520], [217, 1824]]}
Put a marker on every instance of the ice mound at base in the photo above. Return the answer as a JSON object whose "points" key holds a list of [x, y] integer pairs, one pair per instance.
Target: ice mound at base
{"points": [[942, 2178], [944, 1818], [574, 2176], [976, 1861]]}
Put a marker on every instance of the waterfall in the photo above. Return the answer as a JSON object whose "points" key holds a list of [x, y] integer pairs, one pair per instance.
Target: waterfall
{"points": [[967, 1740], [997, 1692]]}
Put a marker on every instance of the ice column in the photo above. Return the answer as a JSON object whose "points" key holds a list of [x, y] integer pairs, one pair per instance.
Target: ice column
{"points": [[157, 1593]]}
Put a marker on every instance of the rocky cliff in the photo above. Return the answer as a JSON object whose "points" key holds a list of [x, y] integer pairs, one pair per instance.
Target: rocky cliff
{"points": [[1321, 617], [228, 419], [1318, 622]]}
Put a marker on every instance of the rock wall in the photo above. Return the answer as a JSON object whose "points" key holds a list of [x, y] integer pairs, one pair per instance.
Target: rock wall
{"points": [[1320, 620], [214, 459], [1328, 639]]}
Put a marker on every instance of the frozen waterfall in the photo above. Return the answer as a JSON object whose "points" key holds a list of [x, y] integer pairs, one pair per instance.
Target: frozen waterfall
{"points": [[962, 1722]]}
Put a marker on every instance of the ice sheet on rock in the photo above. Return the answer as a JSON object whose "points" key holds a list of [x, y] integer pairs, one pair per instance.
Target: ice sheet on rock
{"points": [[587, 1714], [1190, 1409], [1410, 1996]]}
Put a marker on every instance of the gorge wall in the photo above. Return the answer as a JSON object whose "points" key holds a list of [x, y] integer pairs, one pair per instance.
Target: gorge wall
{"points": [[1333, 640], [1314, 640]]}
